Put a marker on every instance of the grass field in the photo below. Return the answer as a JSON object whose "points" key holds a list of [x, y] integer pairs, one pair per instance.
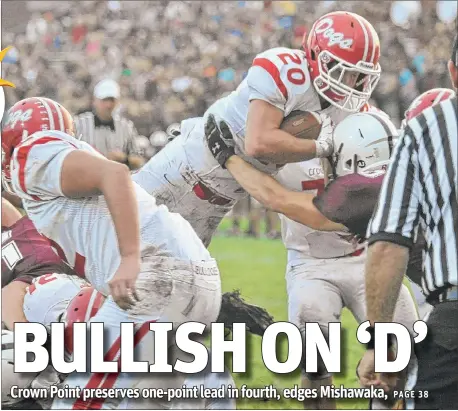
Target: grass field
{"points": [[257, 268]]}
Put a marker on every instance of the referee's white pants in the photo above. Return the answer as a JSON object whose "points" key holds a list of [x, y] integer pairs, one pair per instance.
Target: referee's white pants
{"points": [[173, 291]]}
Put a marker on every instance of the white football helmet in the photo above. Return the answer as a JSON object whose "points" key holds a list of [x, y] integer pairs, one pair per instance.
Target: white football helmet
{"points": [[158, 139], [9, 377], [363, 144], [47, 298]]}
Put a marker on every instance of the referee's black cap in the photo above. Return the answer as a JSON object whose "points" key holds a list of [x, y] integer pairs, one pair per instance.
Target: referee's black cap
{"points": [[454, 56]]}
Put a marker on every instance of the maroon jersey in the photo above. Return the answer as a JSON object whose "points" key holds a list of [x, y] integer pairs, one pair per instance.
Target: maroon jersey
{"points": [[26, 254], [350, 200]]}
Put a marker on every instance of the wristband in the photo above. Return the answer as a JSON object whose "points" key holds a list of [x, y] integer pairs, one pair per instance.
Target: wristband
{"points": [[322, 149], [225, 155], [371, 344]]}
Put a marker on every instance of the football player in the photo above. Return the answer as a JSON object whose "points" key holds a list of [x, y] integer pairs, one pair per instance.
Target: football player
{"points": [[322, 233], [25, 255], [88, 302], [108, 229], [59, 297], [334, 74], [44, 300]]}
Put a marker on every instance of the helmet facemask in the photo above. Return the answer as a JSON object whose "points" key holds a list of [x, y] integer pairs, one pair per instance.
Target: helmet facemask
{"points": [[363, 144], [334, 73], [328, 170], [354, 164], [334, 161]]}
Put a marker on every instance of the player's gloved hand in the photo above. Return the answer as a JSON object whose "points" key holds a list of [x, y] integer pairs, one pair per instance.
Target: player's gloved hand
{"points": [[324, 142], [220, 140]]}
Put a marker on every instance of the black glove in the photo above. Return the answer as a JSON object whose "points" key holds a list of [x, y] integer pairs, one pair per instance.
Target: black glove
{"points": [[235, 310], [220, 140]]}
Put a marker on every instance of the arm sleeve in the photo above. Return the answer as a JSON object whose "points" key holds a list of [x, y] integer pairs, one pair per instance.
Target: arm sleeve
{"points": [[265, 86], [278, 76], [395, 217], [37, 168]]}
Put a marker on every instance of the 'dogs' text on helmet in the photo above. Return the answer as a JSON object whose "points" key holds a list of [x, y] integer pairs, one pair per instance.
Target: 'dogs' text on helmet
{"points": [[343, 51], [27, 117]]}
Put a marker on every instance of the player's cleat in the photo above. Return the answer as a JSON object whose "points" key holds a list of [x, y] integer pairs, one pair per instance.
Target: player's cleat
{"points": [[235, 310]]}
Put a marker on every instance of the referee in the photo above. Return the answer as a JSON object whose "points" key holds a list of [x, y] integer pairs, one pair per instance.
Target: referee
{"points": [[420, 189], [112, 135]]}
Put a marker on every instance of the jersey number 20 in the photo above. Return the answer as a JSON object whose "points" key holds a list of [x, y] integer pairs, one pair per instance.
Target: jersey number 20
{"points": [[294, 75]]}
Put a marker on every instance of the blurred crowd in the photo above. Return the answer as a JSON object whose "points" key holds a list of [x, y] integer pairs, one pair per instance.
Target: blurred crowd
{"points": [[173, 59]]}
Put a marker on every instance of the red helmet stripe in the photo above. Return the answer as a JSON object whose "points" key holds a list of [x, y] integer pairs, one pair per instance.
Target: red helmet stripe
{"points": [[49, 112], [91, 308], [60, 117], [374, 40], [99, 298], [366, 36]]}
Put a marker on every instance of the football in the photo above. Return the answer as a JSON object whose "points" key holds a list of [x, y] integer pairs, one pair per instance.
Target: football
{"points": [[302, 124]]}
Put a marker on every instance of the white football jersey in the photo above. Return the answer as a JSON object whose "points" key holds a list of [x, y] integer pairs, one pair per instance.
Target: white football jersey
{"points": [[302, 241], [47, 298], [82, 230], [279, 76]]}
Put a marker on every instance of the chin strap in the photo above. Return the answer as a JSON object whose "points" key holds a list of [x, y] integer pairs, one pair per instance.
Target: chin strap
{"points": [[334, 159]]}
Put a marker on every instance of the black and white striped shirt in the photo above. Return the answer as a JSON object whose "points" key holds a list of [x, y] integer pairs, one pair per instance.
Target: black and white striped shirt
{"points": [[421, 189], [117, 135]]}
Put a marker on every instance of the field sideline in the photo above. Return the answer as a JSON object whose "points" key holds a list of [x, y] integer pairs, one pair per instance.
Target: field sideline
{"points": [[257, 268]]}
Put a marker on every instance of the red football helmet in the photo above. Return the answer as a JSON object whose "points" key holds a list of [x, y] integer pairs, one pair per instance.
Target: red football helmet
{"points": [[427, 99], [82, 308], [343, 51], [27, 117]]}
